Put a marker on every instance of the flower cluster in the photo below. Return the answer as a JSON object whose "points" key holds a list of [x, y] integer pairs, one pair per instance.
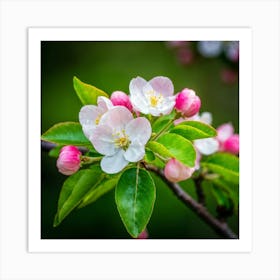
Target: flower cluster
{"points": [[119, 128]]}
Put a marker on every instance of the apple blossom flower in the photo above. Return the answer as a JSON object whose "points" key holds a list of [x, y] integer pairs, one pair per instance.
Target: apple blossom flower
{"points": [[120, 138], [154, 97], [175, 171], [90, 115], [187, 102], [228, 141], [122, 99], [69, 160]]}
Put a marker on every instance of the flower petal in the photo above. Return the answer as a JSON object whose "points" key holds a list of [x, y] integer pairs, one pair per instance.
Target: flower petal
{"points": [[224, 132], [167, 105], [162, 85], [104, 103], [139, 102], [136, 85], [206, 117], [103, 141], [115, 163], [207, 146], [135, 152], [116, 118], [87, 117], [139, 129]]}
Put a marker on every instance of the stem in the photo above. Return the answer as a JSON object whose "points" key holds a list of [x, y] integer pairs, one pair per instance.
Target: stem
{"points": [[166, 127], [220, 227]]}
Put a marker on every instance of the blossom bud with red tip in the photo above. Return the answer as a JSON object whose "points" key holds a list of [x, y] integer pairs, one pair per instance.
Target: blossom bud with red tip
{"points": [[69, 160]]}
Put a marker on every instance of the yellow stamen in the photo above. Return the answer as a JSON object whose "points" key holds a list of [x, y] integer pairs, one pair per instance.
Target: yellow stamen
{"points": [[122, 140], [97, 120]]}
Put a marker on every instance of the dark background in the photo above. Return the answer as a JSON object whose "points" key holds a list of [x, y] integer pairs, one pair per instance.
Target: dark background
{"points": [[110, 66]]}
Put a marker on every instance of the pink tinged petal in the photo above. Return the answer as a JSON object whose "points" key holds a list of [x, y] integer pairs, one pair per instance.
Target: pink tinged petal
{"points": [[224, 132], [139, 102], [207, 146], [175, 171], [135, 152], [197, 160], [178, 121], [162, 85], [206, 117], [104, 103], [231, 145], [116, 118], [167, 105], [114, 163], [136, 85], [88, 117], [121, 99], [103, 141], [139, 129]]}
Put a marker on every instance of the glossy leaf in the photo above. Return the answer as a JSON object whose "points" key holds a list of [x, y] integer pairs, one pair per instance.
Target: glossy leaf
{"points": [[74, 189], [88, 94], [135, 196], [99, 190], [149, 156], [179, 147], [159, 149], [66, 133], [224, 164], [192, 130], [161, 122]]}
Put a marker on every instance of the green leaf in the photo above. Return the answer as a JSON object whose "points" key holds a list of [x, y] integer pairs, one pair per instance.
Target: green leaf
{"points": [[192, 130], [179, 147], [224, 164], [75, 189], [159, 149], [99, 190], [161, 122], [88, 94], [54, 152], [149, 156], [66, 133], [221, 197], [135, 197], [232, 191]]}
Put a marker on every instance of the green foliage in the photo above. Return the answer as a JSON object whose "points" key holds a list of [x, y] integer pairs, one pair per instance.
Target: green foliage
{"points": [[159, 149], [135, 196], [161, 122], [74, 189], [99, 190], [87, 94], [66, 133], [179, 147], [192, 130], [54, 152], [224, 164]]}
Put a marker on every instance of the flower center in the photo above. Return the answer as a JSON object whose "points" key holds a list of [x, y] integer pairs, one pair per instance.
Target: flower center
{"points": [[154, 98], [97, 120], [121, 140]]}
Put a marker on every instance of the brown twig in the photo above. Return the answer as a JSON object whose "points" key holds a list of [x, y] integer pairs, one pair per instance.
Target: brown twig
{"points": [[220, 227]]}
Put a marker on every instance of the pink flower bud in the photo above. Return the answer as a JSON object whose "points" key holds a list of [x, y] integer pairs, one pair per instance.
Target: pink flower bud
{"points": [[231, 145], [121, 99], [187, 102], [143, 235], [68, 161], [175, 171]]}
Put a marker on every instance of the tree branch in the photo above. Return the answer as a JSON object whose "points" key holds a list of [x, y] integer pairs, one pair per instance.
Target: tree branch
{"points": [[220, 227]]}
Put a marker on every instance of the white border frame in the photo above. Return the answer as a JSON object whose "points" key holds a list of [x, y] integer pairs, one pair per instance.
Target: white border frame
{"points": [[243, 35], [262, 16]]}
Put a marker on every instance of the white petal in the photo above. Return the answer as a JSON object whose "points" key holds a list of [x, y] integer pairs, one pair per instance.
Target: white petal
{"points": [[207, 146], [225, 131], [206, 117], [87, 117], [103, 141], [116, 118], [104, 103], [136, 85], [140, 102], [115, 163], [139, 129], [135, 152], [167, 105], [162, 85]]}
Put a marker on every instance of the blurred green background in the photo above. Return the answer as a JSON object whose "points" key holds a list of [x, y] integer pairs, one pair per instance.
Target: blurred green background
{"points": [[110, 66]]}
